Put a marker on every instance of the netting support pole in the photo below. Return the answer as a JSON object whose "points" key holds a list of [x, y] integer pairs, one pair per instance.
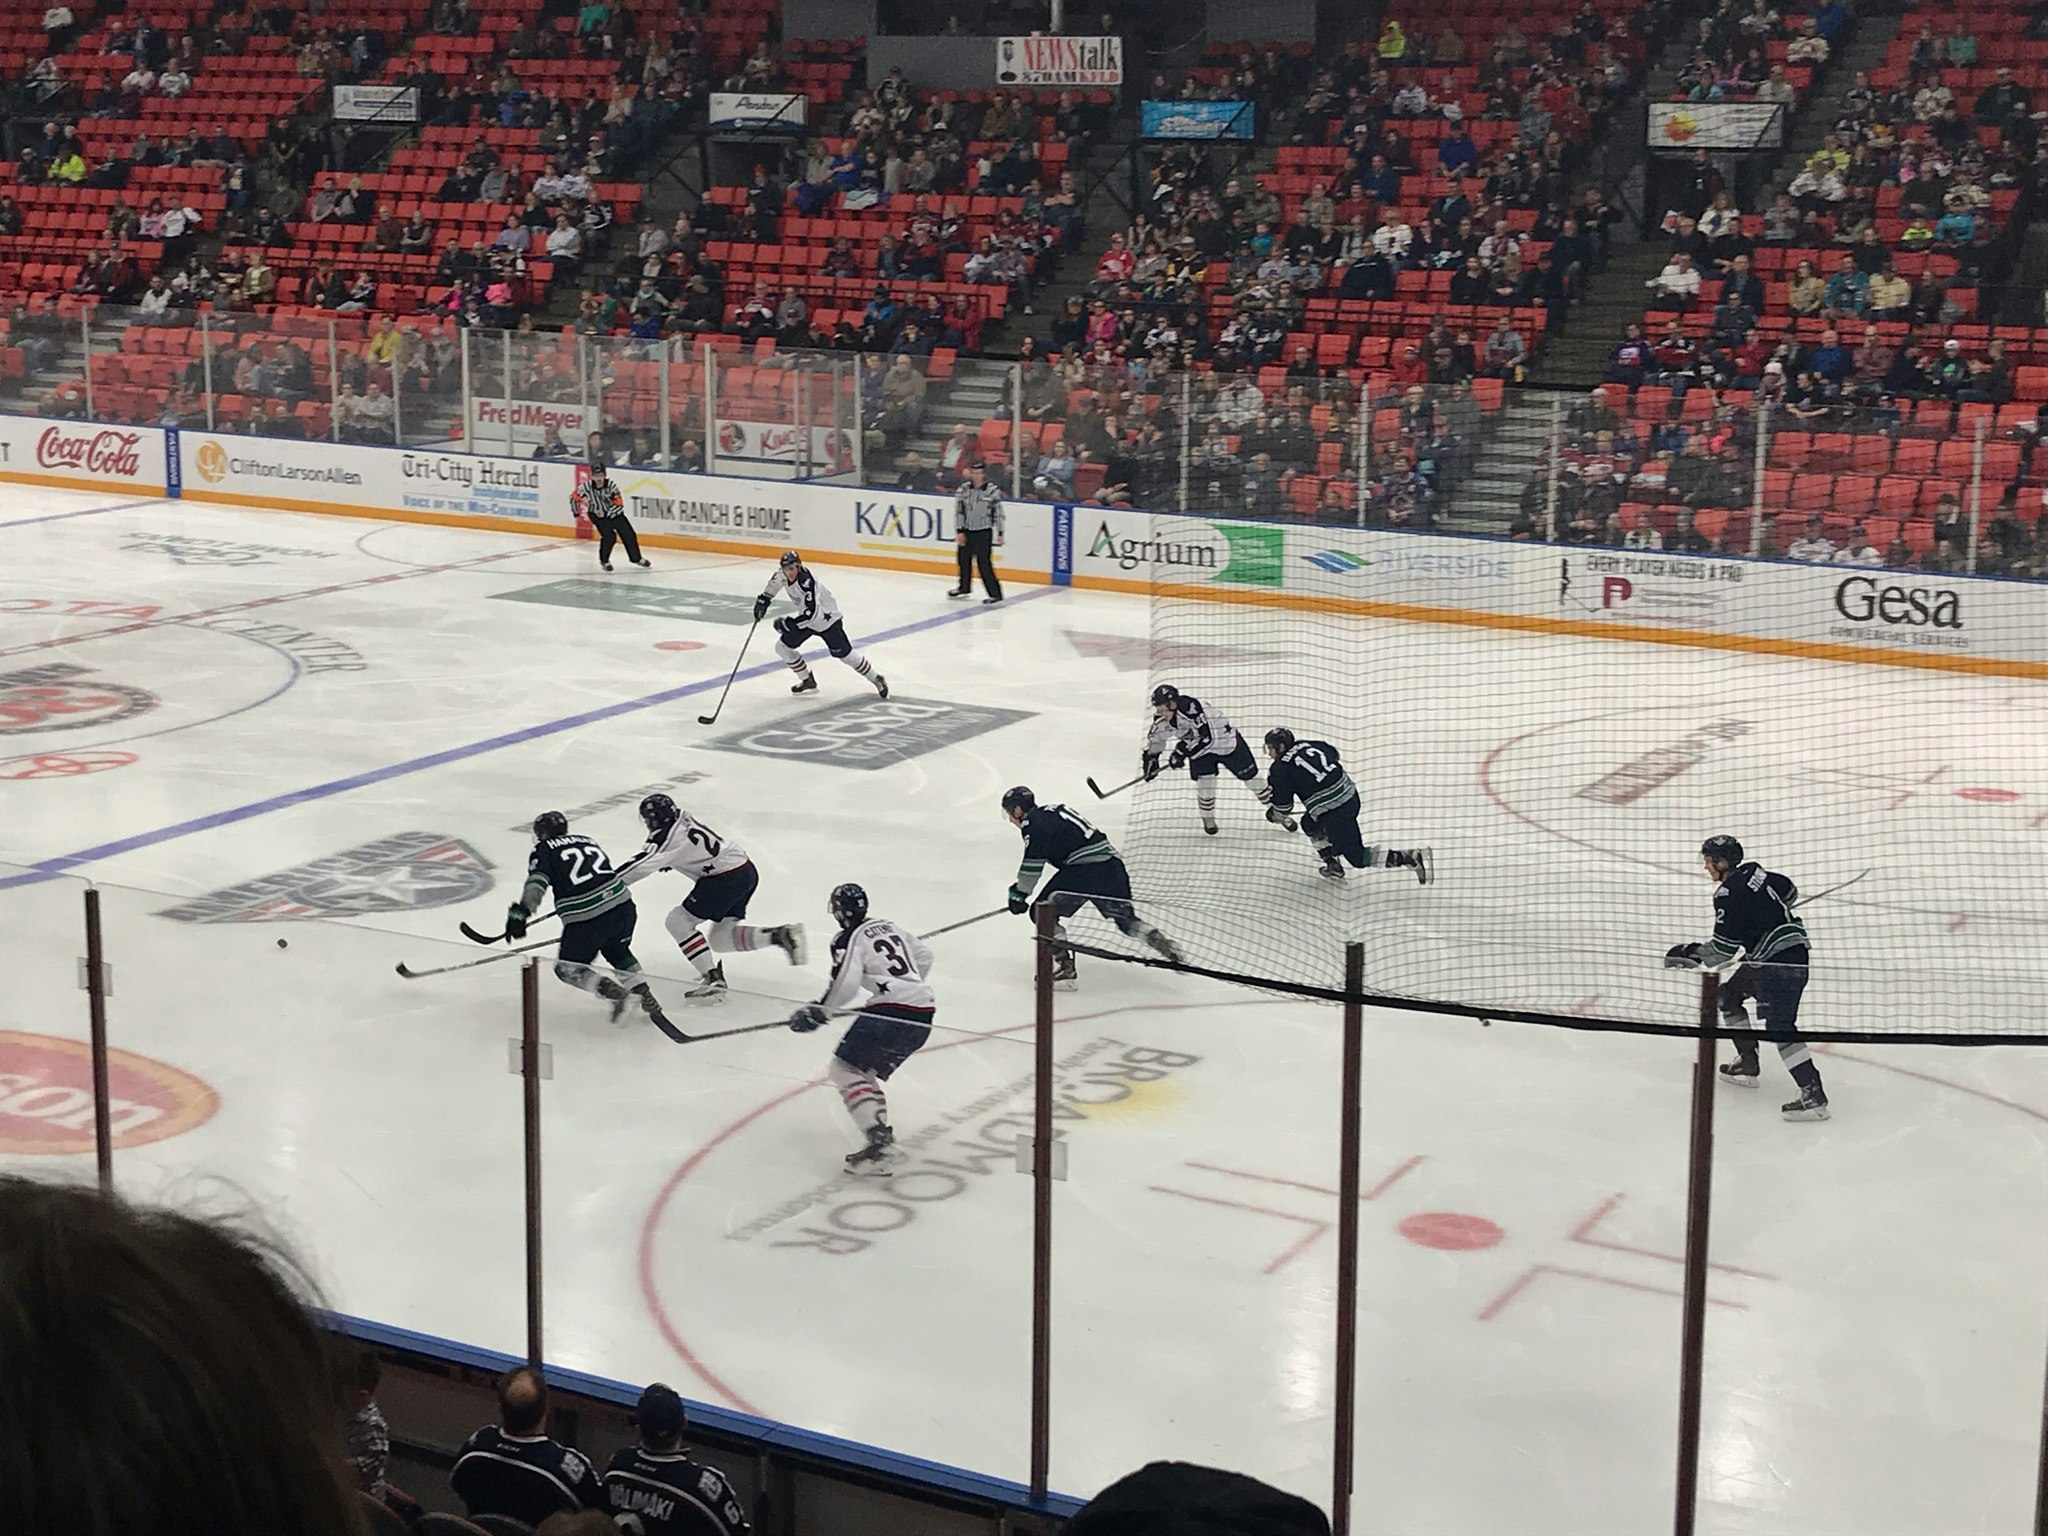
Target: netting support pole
{"points": [[1348, 1194], [1756, 486], [1551, 531], [664, 404], [1364, 448], [96, 1012], [85, 341], [1187, 436], [529, 1078], [1047, 920], [2041, 1485], [206, 365], [1699, 1199], [1976, 497], [468, 387], [1017, 430]]}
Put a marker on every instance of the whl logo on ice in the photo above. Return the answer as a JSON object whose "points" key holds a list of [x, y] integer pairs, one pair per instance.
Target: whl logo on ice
{"points": [[97, 453], [404, 873]]}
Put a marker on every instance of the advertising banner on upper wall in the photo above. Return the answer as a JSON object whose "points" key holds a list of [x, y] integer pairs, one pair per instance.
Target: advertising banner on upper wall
{"points": [[1060, 61], [760, 111], [1196, 119], [1731, 125], [376, 104]]}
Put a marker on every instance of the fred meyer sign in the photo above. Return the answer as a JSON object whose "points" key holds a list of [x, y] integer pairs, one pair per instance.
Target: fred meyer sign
{"points": [[1059, 61]]}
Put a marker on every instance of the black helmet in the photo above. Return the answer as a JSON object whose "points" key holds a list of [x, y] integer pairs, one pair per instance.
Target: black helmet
{"points": [[658, 813], [1166, 694], [549, 824], [790, 557], [849, 905], [1722, 849], [1280, 739], [1018, 799], [597, 469]]}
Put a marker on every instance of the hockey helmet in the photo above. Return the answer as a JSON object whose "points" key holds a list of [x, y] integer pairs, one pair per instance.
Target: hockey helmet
{"points": [[549, 824], [1722, 849], [1019, 801], [597, 469], [658, 813], [848, 904], [1279, 740], [791, 560], [1166, 696]]}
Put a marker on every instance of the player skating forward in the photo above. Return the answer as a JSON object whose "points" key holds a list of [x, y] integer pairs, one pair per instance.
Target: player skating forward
{"points": [[1089, 870], [597, 914], [875, 959], [1183, 733], [1309, 771], [1754, 923], [600, 500], [816, 617], [725, 882]]}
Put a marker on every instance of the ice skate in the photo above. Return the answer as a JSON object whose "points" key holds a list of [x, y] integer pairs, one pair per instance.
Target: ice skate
{"points": [[1421, 860], [881, 685], [1066, 977], [789, 938], [873, 1160], [614, 994], [1740, 1073], [808, 685], [711, 989], [1812, 1104], [651, 1006], [1209, 822], [1280, 818], [1168, 951], [1333, 869]]}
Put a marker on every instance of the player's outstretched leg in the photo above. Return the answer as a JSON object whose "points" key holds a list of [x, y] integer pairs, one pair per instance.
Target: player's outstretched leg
{"points": [[1205, 802], [730, 936], [1421, 860], [866, 669], [1066, 975], [861, 1092]]}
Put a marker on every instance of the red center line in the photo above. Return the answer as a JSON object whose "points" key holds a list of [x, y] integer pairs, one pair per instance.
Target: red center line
{"points": [[271, 601]]}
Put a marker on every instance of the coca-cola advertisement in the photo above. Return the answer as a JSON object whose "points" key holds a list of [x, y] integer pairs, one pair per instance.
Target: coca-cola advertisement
{"points": [[82, 453]]}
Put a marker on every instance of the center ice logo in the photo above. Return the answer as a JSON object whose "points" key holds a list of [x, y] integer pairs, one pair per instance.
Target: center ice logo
{"points": [[869, 733], [404, 873]]}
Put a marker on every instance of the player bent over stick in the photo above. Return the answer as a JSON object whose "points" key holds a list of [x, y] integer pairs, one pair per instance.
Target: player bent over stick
{"points": [[597, 914], [1310, 772], [1755, 924], [1089, 870], [1203, 743], [872, 957], [725, 882], [816, 617]]}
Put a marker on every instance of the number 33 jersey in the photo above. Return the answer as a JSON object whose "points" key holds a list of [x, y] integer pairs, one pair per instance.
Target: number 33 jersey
{"points": [[690, 848], [880, 959]]}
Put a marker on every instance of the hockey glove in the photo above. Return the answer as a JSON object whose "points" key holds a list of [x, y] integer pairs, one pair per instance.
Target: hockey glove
{"points": [[515, 921], [1019, 902], [1150, 766], [807, 1018], [1682, 957], [1179, 758], [760, 607]]}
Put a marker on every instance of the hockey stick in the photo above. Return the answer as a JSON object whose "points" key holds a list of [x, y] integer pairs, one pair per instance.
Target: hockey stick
{"points": [[712, 718], [1807, 901], [964, 922], [495, 938], [1104, 794], [681, 1038], [442, 970]]}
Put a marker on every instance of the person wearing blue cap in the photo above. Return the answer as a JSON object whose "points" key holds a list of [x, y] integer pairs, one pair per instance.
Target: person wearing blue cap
{"points": [[655, 1489]]}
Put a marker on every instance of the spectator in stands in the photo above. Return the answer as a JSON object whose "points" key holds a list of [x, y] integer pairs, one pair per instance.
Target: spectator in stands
{"points": [[513, 1468], [656, 1486], [903, 392], [551, 445], [277, 420], [209, 1406], [565, 246], [1677, 286], [366, 1436]]}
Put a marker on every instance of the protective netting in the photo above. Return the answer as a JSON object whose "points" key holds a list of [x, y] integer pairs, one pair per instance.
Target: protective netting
{"points": [[1565, 782]]}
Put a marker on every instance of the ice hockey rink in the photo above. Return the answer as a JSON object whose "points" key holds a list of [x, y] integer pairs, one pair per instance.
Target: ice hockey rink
{"points": [[293, 751]]}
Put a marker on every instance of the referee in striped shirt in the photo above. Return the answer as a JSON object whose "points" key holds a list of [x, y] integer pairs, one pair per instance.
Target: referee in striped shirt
{"points": [[977, 532]]}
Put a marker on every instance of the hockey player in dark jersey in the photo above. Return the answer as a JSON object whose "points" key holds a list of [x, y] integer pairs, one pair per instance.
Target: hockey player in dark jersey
{"points": [[1089, 870], [1183, 734], [815, 617], [655, 1489], [597, 915], [1757, 931], [1310, 771]]}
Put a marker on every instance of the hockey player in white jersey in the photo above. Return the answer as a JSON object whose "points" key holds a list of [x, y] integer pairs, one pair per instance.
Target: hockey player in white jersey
{"points": [[709, 918], [1184, 734], [815, 617], [874, 959]]}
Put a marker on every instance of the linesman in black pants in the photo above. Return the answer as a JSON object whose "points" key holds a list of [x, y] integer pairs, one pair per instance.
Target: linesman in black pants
{"points": [[977, 532], [599, 499]]}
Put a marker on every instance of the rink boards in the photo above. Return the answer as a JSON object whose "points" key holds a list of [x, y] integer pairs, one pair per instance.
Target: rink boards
{"points": [[1822, 612]]}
